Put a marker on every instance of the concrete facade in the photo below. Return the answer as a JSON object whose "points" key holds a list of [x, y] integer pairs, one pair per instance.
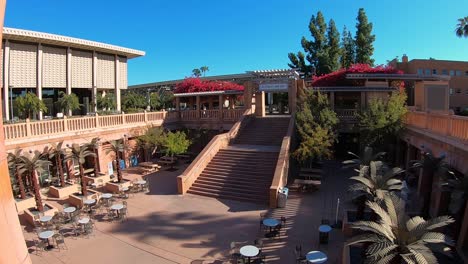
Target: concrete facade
{"points": [[47, 64]]}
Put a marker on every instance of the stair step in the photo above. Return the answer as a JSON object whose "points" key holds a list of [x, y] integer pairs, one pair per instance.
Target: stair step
{"points": [[239, 189], [230, 179], [235, 164], [228, 196], [247, 171], [238, 175]]}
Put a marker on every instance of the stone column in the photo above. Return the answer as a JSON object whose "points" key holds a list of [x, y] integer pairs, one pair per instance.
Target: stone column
{"points": [[95, 92], [363, 100], [6, 82], [248, 90], [260, 104], [69, 75], [12, 243], [177, 103], [332, 100], [197, 102], [39, 76], [117, 83]]}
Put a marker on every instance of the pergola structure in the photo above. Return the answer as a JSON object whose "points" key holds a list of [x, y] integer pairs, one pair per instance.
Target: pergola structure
{"points": [[207, 100]]}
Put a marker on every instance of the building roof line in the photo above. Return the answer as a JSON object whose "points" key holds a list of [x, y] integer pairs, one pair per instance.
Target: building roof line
{"points": [[53, 39]]}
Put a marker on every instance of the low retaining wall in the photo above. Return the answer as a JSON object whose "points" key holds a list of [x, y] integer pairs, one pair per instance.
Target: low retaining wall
{"points": [[62, 192], [77, 200], [25, 204], [115, 187], [28, 216]]}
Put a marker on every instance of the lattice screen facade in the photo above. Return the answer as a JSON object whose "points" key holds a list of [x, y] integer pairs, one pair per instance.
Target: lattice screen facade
{"points": [[82, 69], [105, 71], [1, 64], [123, 73], [54, 67], [23, 65]]}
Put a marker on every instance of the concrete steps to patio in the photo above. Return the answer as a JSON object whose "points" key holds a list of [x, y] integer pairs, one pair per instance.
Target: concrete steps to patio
{"points": [[244, 170]]}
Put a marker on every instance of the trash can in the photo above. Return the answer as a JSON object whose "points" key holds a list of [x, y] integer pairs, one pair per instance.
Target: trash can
{"points": [[282, 197]]}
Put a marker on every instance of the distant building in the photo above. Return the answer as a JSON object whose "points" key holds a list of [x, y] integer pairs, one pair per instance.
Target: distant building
{"points": [[457, 70], [45, 64]]}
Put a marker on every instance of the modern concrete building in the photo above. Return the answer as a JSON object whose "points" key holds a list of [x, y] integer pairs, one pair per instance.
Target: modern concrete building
{"points": [[46, 63], [457, 70]]}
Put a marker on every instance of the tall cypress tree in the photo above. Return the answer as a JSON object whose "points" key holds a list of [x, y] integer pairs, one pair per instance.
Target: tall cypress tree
{"points": [[333, 47], [364, 39], [348, 49], [314, 49]]}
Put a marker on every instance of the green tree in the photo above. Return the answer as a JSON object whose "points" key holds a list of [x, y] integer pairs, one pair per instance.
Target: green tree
{"points": [[149, 142], [462, 27], [155, 101], [333, 47], [93, 145], [204, 69], [57, 151], [14, 160], [196, 73], [29, 104], [31, 165], [68, 102], [176, 143], [348, 49], [78, 154], [367, 157], [166, 99], [315, 123], [397, 238], [314, 49], [106, 102], [382, 121], [117, 147], [132, 102], [364, 39]]}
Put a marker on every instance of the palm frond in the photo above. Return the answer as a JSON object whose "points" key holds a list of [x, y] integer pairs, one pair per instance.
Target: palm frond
{"points": [[436, 237]]}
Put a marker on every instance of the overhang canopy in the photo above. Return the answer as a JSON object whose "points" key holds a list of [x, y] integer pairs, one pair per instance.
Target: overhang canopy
{"points": [[208, 93]]}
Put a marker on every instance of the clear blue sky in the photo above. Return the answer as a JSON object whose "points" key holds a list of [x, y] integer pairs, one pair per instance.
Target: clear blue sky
{"points": [[233, 36]]}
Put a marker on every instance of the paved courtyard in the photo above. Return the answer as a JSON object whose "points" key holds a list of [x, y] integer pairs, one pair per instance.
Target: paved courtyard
{"points": [[164, 227]]}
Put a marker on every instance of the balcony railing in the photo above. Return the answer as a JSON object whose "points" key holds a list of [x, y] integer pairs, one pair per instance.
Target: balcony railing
{"points": [[441, 124], [50, 127], [346, 114]]}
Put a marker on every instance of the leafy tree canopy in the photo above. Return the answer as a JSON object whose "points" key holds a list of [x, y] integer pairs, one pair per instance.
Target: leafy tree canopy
{"points": [[68, 102], [364, 39], [29, 104], [462, 27], [176, 143], [133, 102]]}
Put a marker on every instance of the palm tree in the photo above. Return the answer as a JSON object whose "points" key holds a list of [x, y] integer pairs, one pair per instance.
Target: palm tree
{"points": [[431, 166], [365, 160], [68, 103], [79, 154], [462, 27], [94, 146], [31, 165], [204, 69], [57, 151], [376, 180], [397, 238], [116, 147], [196, 72], [14, 160]]}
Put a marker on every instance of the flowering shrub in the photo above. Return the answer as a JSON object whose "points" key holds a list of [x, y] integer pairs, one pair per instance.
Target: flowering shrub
{"points": [[338, 78], [193, 85]]}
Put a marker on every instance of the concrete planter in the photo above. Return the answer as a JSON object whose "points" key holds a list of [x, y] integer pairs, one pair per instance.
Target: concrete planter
{"points": [[29, 213], [76, 199], [105, 179], [115, 187], [24, 204], [62, 192]]}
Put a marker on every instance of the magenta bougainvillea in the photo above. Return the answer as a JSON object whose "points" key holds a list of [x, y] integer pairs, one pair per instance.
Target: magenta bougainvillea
{"points": [[338, 78], [194, 85]]}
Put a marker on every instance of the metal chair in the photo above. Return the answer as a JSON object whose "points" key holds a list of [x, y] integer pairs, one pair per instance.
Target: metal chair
{"points": [[300, 259], [234, 252], [59, 239], [40, 246]]}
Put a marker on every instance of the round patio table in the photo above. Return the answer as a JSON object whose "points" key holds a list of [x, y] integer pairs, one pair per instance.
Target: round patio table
{"points": [[141, 182], [323, 233], [45, 218], [125, 189], [249, 251], [271, 222], [117, 207], [45, 235], [89, 201], [69, 210], [316, 257], [106, 195], [83, 221]]}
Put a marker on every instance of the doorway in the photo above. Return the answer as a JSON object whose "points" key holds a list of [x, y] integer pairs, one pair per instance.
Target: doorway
{"points": [[277, 103]]}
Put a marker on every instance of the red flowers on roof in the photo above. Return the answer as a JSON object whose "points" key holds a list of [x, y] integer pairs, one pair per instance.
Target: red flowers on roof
{"points": [[194, 85], [338, 78]]}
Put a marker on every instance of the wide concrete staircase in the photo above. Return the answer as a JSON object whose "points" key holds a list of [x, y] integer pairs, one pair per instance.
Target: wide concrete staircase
{"points": [[244, 170]]}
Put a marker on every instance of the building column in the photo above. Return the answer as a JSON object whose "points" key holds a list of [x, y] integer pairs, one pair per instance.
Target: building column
{"points": [[6, 82], [117, 83], [69, 76], [292, 97], [95, 92], [39, 76], [197, 102], [260, 104], [363, 101], [210, 102], [332, 100]]}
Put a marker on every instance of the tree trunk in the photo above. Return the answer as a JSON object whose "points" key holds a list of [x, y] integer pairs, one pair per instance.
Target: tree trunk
{"points": [[71, 172], [428, 177], [96, 162], [37, 191], [119, 173], [20, 184], [60, 169], [84, 191]]}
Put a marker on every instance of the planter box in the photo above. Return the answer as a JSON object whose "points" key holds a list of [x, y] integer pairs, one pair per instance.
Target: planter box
{"points": [[29, 214], [90, 179], [114, 187], [24, 204], [76, 199], [62, 192]]}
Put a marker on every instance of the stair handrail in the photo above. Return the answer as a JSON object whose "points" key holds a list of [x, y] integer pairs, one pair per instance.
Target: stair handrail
{"points": [[191, 173], [280, 178]]}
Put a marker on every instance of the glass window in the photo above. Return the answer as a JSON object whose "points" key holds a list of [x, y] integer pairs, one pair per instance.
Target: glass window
{"points": [[451, 91], [434, 71], [452, 73], [421, 71], [427, 71], [458, 73], [444, 72]]}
